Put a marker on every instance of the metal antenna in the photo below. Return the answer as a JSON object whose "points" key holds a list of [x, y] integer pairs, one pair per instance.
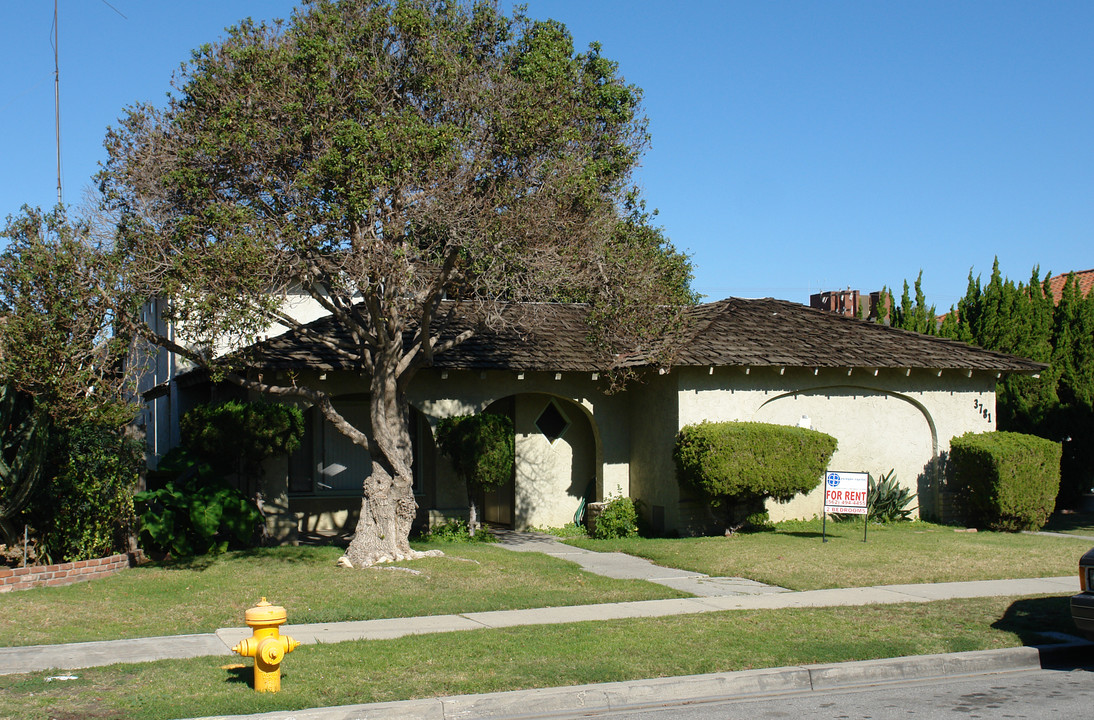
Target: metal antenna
{"points": [[57, 99]]}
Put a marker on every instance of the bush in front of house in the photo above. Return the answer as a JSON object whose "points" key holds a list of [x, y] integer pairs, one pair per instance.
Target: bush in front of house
{"points": [[207, 491], [196, 516], [738, 465], [1007, 481], [481, 448], [237, 436], [456, 531], [618, 519], [91, 511]]}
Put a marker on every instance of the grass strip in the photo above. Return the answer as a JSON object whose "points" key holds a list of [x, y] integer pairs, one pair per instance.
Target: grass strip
{"points": [[540, 656], [206, 593], [794, 556]]}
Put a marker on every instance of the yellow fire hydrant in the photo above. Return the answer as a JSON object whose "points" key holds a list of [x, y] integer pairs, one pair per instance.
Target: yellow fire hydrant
{"points": [[267, 646]]}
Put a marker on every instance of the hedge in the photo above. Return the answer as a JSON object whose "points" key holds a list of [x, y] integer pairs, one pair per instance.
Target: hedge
{"points": [[1006, 481], [740, 462]]}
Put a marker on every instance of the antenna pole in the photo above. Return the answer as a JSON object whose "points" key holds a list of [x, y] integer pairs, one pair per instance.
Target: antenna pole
{"points": [[57, 99]]}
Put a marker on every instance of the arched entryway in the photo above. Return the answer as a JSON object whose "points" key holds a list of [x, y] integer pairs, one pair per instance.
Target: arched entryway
{"points": [[556, 461]]}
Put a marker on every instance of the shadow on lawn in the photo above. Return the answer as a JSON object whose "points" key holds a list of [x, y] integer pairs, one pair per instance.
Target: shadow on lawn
{"points": [[286, 554], [240, 673], [1031, 619], [1071, 522]]}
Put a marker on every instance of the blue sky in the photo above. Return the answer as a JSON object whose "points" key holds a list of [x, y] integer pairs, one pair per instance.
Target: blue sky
{"points": [[797, 146]]}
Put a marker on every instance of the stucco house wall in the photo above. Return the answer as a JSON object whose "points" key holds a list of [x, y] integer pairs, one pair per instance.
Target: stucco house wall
{"points": [[653, 419], [883, 419]]}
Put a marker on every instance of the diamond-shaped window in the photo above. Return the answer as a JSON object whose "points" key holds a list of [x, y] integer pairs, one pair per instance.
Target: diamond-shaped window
{"points": [[552, 423]]}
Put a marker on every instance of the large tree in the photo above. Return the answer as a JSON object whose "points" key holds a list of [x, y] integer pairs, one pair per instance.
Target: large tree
{"points": [[382, 157], [58, 340]]}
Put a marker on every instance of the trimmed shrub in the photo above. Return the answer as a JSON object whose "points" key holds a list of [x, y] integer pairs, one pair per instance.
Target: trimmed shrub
{"points": [[236, 436], [743, 464], [618, 519], [1007, 481]]}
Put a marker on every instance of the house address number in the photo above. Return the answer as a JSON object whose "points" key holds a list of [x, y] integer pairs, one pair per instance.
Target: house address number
{"points": [[984, 412]]}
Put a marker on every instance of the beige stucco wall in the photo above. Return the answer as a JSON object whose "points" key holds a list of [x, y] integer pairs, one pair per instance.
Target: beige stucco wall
{"points": [[550, 476], [888, 419], [654, 423], [884, 420]]}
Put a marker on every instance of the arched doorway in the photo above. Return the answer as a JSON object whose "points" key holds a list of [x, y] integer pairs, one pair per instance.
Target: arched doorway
{"points": [[556, 461]]}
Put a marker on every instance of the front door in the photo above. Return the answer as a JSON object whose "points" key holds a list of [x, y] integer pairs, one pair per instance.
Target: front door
{"points": [[497, 505]]}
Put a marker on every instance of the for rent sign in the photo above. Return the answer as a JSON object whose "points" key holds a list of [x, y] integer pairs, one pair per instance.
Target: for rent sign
{"points": [[845, 492]]}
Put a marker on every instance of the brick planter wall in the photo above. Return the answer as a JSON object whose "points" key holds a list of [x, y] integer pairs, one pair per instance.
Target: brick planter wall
{"points": [[32, 576]]}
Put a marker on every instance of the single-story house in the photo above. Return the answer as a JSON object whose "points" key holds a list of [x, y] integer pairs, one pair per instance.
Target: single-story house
{"points": [[893, 399]]}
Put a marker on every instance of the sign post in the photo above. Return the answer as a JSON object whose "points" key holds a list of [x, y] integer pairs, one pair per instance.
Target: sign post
{"points": [[845, 493]]}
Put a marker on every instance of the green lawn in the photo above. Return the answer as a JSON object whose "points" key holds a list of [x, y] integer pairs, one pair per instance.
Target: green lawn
{"points": [[528, 657], [208, 593], [212, 592], [794, 556]]}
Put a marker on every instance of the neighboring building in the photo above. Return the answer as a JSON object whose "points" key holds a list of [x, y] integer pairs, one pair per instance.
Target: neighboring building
{"points": [[1085, 279], [850, 303], [893, 399]]}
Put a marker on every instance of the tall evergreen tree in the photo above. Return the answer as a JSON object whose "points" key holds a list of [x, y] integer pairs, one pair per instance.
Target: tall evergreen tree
{"points": [[915, 315], [1023, 320]]}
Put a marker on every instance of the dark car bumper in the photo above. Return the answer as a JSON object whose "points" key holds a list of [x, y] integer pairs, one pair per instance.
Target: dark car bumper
{"points": [[1082, 612]]}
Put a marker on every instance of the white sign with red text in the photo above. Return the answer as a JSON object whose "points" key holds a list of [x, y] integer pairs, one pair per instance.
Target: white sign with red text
{"points": [[845, 492]]}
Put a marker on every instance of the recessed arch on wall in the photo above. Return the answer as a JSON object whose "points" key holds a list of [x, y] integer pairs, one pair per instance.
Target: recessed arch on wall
{"points": [[878, 430], [828, 389]]}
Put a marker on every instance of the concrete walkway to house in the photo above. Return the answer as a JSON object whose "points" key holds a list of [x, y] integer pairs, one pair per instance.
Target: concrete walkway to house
{"points": [[712, 595], [621, 566]]}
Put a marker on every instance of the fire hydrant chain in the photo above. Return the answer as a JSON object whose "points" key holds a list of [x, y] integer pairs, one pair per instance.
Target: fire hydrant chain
{"points": [[266, 645]]}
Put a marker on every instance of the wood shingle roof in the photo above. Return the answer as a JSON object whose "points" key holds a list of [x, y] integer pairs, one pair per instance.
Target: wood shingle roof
{"points": [[768, 332], [732, 332]]}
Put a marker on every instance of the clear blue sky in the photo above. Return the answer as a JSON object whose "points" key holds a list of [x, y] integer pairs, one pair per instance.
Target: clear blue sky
{"points": [[797, 146]]}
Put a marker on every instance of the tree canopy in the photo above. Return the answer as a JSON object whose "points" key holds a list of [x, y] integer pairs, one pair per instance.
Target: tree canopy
{"points": [[381, 157], [58, 340]]}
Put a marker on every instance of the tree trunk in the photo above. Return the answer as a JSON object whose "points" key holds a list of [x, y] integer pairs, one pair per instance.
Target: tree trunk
{"points": [[388, 507], [472, 517]]}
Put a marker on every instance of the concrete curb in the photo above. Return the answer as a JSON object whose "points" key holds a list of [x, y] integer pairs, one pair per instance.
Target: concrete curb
{"points": [[637, 694]]}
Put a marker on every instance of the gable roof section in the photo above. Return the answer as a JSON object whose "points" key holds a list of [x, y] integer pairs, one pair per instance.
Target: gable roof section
{"points": [[732, 332]]}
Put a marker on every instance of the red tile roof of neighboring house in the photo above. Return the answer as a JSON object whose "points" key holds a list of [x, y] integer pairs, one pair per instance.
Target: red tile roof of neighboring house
{"points": [[1084, 277]]}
